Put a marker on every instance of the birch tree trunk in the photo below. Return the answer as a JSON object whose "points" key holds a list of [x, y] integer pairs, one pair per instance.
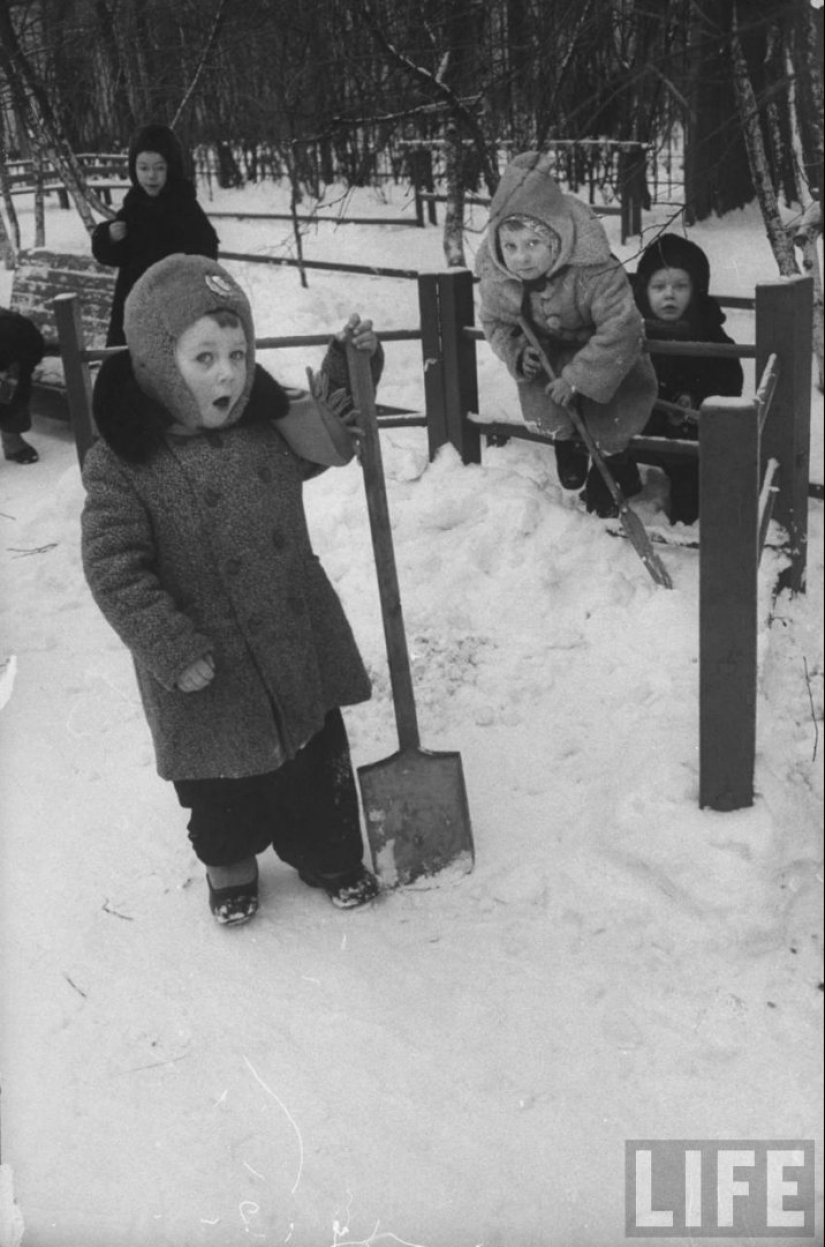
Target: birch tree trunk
{"points": [[45, 132], [6, 246], [453, 239], [778, 235], [809, 226], [806, 234], [6, 249], [39, 202]]}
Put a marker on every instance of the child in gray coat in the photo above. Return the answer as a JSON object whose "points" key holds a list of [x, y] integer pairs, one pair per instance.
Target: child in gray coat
{"points": [[546, 257], [196, 548]]}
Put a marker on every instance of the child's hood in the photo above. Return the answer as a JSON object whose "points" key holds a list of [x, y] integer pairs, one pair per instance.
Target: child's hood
{"points": [[160, 139], [135, 425], [169, 297], [675, 251], [527, 188]]}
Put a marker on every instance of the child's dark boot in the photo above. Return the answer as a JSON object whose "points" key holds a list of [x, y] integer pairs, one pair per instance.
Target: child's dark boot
{"points": [[684, 494], [236, 903], [571, 464], [348, 891], [598, 498]]}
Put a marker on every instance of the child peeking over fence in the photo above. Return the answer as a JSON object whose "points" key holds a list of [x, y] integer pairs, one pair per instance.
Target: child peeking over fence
{"points": [[671, 287], [546, 257], [196, 548]]}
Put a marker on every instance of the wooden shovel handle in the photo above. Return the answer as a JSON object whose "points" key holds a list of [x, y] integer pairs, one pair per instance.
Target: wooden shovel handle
{"points": [[575, 417], [630, 521], [381, 532]]}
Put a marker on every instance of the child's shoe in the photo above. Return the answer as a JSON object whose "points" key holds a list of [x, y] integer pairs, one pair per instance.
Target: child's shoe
{"points": [[234, 904], [18, 450], [571, 464], [598, 498], [357, 887]]}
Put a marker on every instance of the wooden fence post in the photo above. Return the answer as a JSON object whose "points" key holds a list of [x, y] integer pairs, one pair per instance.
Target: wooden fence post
{"points": [[729, 484], [421, 170], [784, 326], [632, 188], [455, 302], [76, 371], [433, 362]]}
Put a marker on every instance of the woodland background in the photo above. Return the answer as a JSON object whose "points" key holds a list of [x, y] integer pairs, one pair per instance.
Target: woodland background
{"points": [[725, 97]]}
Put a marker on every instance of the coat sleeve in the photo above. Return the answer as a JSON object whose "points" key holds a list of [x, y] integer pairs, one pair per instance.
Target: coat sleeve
{"points": [[601, 364], [119, 560], [104, 250], [201, 238]]}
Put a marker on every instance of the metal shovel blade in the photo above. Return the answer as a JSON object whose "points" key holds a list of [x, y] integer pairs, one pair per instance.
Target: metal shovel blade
{"points": [[417, 816]]}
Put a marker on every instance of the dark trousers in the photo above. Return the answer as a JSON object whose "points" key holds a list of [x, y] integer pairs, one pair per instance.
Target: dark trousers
{"points": [[15, 416], [307, 810]]}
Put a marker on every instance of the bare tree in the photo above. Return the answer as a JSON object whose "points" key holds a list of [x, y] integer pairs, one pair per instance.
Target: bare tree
{"points": [[44, 129]]}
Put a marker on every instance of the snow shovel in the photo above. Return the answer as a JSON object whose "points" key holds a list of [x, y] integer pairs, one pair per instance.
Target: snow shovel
{"points": [[630, 522], [415, 802]]}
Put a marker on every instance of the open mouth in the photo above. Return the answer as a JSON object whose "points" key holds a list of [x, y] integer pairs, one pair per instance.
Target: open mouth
{"points": [[223, 404]]}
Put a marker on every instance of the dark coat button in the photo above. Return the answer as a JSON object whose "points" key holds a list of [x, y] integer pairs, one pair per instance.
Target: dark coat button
{"points": [[265, 475], [278, 539], [233, 567], [212, 497]]}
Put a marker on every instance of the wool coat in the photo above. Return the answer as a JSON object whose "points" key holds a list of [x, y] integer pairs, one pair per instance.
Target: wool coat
{"points": [[171, 223], [197, 545], [582, 310]]}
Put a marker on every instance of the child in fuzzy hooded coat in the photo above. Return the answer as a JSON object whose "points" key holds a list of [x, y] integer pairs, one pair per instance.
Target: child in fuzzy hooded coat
{"points": [[196, 548], [546, 257], [160, 216], [671, 285]]}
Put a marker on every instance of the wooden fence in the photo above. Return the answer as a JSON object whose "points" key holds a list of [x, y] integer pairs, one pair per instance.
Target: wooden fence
{"points": [[105, 172], [592, 165], [753, 465]]}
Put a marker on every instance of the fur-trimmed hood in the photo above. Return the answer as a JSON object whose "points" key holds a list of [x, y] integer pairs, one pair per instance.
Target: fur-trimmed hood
{"points": [[135, 426], [528, 188]]}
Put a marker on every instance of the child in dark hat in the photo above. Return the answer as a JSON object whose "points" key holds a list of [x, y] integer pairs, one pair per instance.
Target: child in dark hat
{"points": [[196, 548], [671, 288], [546, 257], [160, 216], [21, 350]]}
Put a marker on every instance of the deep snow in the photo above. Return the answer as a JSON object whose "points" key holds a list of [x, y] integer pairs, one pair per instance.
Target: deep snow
{"points": [[458, 1066]]}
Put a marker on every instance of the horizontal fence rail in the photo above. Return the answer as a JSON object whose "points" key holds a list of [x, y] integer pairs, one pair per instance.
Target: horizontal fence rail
{"points": [[369, 270], [311, 218]]}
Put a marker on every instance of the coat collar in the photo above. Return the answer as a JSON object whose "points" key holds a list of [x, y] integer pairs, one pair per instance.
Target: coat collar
{"points": [[135, 426]]}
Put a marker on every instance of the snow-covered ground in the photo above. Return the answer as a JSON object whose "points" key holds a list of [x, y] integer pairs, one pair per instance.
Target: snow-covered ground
{"points": [[457, 1066]]}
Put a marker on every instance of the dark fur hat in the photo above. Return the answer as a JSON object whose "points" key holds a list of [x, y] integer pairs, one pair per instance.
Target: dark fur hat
{"points": [[160, 139], [674, 251]]}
